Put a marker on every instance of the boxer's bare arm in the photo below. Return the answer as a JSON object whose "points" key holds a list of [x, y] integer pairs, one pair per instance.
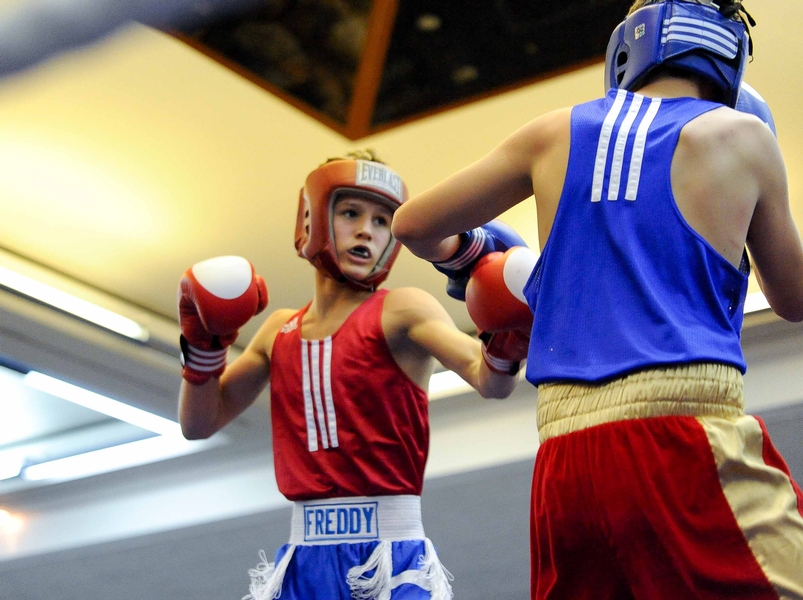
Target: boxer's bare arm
{"points": [[206, 409], [483, 190], [418, 328], [773, 238]]}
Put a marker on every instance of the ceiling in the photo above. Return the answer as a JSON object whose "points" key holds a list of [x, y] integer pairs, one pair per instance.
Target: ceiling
{"points": [[125, 162], [361, 66]]}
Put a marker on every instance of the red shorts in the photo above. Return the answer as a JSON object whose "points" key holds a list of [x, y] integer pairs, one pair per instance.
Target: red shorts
{"points": [[662, 506]]}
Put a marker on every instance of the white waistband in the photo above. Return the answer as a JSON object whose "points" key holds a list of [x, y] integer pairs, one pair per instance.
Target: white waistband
{"points": [[356, 519]]}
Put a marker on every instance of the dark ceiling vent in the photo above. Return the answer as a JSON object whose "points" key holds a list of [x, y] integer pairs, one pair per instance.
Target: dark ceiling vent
{"points": [[362, 66]]}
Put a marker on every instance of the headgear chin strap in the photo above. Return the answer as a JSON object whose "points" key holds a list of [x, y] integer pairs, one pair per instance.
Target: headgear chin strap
{"points": [[314, 238], [682, 34]]}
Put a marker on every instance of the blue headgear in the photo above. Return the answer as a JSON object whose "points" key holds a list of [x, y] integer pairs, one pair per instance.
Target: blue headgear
{"points": [[684, 34], [750, 101]]}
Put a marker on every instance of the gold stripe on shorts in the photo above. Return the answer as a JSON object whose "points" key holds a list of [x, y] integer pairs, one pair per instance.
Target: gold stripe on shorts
{"points": [[698, 389], [762, 499]]}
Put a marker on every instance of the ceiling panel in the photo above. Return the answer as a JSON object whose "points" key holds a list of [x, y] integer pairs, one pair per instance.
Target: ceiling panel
{"points": [[361, 66]]}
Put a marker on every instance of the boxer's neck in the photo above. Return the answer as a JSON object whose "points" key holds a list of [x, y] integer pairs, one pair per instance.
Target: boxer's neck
{"points": [[674, 86], [331, 305]]}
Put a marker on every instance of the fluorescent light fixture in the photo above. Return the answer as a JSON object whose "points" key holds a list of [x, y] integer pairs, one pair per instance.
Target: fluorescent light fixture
{"points": [[447, 383], [755, 302], [113, 459], [72, 304], [10, 465], [169, 443], [101, 404]]}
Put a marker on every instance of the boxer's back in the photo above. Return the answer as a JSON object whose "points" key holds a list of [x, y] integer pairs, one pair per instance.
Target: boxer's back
{"points": [[625, 282]]}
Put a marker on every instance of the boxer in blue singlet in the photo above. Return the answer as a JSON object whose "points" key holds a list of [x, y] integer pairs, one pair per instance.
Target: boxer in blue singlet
{"points": [[651, 482]]}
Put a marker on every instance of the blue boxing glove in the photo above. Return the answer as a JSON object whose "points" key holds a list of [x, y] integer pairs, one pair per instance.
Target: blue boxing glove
{"points": [[495, 236], [750, 101]]}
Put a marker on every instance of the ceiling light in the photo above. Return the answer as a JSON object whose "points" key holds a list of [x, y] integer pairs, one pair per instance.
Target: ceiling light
{"points": [[114, 458], [170, 443], [71, 304], [10, 465], [101, 404], [465, 74], [428, 22]]}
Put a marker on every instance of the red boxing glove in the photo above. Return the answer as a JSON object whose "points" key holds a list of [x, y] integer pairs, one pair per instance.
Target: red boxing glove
{"points": [[496, 303], [216, 297]]}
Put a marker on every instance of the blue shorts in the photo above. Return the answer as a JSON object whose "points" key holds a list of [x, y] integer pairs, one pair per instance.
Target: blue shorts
{"points": [[329, 558]]}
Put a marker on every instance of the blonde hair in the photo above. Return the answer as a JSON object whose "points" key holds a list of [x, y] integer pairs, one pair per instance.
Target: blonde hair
{"points": [[366, 154]]}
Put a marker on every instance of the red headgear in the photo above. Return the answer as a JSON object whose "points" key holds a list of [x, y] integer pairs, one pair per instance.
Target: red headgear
{"points": [[314, 237]]}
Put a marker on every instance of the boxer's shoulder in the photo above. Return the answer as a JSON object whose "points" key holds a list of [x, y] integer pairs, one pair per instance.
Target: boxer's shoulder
{"points": [[409, 300], [280, 321], [406, 307]]}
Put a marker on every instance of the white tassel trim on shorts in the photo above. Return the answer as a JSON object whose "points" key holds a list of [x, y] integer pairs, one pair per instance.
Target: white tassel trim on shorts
{"points": [[436, 574], [267, 578], [376, 587], [431, 575]]}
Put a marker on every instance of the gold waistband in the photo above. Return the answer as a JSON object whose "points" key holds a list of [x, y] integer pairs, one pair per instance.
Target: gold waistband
{"points": [[701, 389]]}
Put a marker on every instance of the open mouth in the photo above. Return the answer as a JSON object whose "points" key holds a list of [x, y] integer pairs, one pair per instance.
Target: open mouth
{"points": [[360, 252]]}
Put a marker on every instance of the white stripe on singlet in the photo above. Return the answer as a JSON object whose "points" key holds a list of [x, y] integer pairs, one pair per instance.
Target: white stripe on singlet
{"points": [[309, 411], [316, 390], [602, 145], [331, 418], [619, 147], [640, 143], [319, 406]]}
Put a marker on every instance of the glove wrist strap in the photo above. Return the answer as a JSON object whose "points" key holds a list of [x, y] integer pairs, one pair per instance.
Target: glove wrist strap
{"points": [[471, 246], [199, 365], [501, 365]]}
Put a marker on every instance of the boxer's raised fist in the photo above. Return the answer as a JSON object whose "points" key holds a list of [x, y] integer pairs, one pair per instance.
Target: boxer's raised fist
{"points": [[496, 303], [494, 236], [215, 298]]}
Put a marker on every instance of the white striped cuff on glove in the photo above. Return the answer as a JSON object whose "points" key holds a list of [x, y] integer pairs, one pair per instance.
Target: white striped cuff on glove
{"points": [[500, 365], [204, 361], [468, 251]]}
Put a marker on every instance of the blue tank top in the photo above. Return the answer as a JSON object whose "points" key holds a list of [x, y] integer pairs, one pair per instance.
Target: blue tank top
{"points": [[624, 282]]}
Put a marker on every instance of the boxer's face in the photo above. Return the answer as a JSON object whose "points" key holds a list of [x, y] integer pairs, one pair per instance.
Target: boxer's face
{"points": [[361, 232]]}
